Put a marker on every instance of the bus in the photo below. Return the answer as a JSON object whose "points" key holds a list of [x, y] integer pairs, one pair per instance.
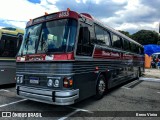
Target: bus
{"points": [[10, 41], [66, 57]]}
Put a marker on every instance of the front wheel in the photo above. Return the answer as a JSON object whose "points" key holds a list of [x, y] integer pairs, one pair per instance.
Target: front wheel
{"points": [[100, 87]]}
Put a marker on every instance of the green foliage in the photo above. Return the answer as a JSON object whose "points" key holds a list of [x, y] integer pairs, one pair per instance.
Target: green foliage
{"points": [[145, 37], [125, 33]]}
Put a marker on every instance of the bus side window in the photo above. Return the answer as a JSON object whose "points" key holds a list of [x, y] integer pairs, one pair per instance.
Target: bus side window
{"points": [[116, 41], [107, 38], [8, 48], [142, 50], [100, 35], [126, 45], [84, 46]]}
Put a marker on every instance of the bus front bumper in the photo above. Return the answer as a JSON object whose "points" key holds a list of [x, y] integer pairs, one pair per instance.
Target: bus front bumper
{"points": [[65, 97]]}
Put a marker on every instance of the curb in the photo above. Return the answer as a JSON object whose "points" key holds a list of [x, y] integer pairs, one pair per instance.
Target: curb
{"points": [[149, 79]]}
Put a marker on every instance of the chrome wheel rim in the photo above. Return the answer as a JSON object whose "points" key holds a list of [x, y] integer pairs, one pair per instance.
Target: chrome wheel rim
{"points": [[101, 86]]}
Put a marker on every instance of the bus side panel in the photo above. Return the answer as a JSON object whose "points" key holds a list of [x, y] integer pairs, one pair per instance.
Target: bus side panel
{"points": [[7, 72], [85, 78]]}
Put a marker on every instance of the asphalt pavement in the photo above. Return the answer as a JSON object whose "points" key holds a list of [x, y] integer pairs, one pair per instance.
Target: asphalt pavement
{"points": [[136, 100]]}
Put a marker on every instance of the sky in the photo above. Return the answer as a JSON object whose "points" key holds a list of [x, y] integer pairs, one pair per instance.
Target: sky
{"points": [[126, 15]]}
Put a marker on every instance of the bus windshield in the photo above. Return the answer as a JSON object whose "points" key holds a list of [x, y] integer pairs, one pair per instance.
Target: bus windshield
{"points": [[52, 36]]}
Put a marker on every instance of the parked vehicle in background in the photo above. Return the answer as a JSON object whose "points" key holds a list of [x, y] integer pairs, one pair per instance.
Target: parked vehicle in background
{"points": [[10, 41], [11, 32], [155, 60], [66, 57]]}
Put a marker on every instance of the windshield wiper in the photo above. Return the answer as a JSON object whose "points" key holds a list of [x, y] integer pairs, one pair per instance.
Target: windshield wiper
{"points": [[44, 45]]}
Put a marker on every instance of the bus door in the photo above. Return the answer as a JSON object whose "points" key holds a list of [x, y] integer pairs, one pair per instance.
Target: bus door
{"points": [[85, 77]]}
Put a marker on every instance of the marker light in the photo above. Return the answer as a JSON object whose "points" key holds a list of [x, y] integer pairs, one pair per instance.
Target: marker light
{"points": [[67, 82], [68, 9], [46, 13]]}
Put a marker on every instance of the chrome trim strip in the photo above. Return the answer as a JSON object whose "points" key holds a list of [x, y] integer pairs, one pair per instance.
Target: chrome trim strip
{"points": [[65, 97], [43, 73], [35, 91], [54, 77], [48, 102], [30, 95], [66, 93], [65, 100]]}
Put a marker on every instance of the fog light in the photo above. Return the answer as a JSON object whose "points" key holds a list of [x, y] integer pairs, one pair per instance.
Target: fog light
{"points": [[56, 83], [50, 83]]}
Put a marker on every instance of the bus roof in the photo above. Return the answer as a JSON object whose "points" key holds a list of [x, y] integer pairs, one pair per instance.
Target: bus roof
{"points": [[75, 15]]}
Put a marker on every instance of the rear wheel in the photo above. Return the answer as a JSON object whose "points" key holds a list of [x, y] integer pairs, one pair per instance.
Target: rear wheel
{"points": [[100, 87]]}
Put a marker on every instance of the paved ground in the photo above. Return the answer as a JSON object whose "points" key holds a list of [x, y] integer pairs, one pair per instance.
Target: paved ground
{"points": [[125, 102], [155, 73]]}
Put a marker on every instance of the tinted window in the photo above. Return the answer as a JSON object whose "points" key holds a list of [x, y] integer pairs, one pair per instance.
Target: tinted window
{"points": [[137, 49], [103, 36], [142, 51], [51, 36], [84, 46], [8, 48], [8, 28], [126, 45], [133, 47], [59, 35], [99, 35], [116, 41], [107, 38]]}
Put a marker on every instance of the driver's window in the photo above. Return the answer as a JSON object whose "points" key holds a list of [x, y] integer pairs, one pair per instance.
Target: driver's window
{"points": [[84, 47]]}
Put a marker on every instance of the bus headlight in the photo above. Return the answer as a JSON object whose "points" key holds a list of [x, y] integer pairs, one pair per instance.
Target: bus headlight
{"points": [[21, 79], [56, 83], [18, 79], [50, 83]]}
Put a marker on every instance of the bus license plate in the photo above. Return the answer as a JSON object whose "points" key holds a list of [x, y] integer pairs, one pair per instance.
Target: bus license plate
{"points": [[34, 80]]}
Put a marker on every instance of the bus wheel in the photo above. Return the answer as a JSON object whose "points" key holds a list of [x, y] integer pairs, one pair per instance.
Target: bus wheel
{"points": [[100, 87]]}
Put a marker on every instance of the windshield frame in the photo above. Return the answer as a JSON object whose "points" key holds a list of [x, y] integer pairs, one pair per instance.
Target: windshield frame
{"points": [[22, 51]]}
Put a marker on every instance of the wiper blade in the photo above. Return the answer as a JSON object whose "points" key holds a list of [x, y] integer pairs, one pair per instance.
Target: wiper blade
{"points": [[44, 45]]}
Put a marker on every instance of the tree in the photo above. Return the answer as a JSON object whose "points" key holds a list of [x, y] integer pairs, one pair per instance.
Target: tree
{"points": [[125, 33], [145, 37]]}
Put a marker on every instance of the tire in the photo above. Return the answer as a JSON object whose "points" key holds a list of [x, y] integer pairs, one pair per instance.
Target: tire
{"points": [[100, 87]]}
